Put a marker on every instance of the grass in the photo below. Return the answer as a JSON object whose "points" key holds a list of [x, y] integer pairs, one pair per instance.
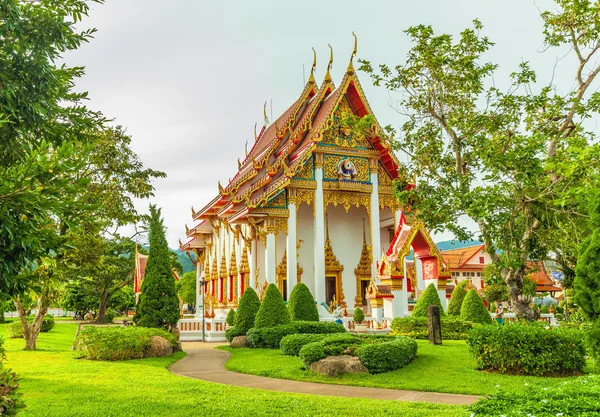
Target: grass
{"points": [[54, 383], [447, 368]]}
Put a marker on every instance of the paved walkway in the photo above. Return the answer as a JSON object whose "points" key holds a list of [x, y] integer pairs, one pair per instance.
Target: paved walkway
{"points": [[208, 365]]}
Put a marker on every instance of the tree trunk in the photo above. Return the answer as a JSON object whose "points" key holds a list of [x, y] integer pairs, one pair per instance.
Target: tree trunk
{"points": [[31, 331], [519, 303], [102, 307]]}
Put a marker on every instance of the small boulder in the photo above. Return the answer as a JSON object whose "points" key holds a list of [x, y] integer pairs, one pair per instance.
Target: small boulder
{"points": [[160, 347], [337, 365], [240, 342]]}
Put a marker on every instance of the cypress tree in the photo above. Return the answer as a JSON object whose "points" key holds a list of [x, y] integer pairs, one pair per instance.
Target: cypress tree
{"points": [[429, 297], [474, 310], [302, 305], [246, 312], [158, 305], [587, 271], [272, 311], [456, 300]]}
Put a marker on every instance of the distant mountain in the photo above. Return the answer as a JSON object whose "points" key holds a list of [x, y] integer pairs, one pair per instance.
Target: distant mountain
{"points": [[185, 262], [456, 244]]}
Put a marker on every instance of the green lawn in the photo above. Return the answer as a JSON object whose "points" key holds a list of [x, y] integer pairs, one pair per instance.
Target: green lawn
{"points": [[446, 368], [56, 384]]}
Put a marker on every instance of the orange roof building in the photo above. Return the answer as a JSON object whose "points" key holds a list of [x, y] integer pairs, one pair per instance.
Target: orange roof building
{"points": [[536, 270], [306, 165], [467, 263]]}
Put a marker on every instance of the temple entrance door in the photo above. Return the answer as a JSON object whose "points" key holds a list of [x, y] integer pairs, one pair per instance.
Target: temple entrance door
{"points": [[330, 288], [364, 284], [284, 289]]}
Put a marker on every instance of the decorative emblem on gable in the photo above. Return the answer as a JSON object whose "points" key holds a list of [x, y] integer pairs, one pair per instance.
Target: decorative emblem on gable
{"points": [[346, 170]]}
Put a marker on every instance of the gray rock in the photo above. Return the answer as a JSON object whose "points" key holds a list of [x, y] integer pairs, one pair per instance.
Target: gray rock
{"points": [[240, 342], [337, 365], [160, 347]]}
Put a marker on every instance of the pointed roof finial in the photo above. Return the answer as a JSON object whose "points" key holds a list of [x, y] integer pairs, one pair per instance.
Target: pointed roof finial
{"points": [[265, 114], [350, 69], [314, 65], [255, 135], [330, 57]]}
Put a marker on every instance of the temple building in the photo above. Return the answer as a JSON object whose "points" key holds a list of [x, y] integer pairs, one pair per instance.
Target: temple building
{"points": [[311, 202]]}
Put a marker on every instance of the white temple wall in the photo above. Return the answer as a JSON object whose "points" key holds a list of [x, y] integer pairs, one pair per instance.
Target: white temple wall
{"points": [[305, 232], [346, 235]]}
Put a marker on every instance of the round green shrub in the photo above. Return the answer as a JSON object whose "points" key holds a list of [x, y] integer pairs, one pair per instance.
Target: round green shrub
{"points": [[230, 319], [302, 305], [118, 343], [474, 310], [15, 330], [272, 311], [429, 297], [528, 349], [270, 337], [233, 332], [246, 313], [387, 356], [456, 299], [359, 316], [291, 344], [47, 323], [334, 345]]}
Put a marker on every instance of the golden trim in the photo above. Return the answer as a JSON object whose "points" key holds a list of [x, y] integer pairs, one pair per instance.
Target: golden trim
{"points": [[347, 199]]}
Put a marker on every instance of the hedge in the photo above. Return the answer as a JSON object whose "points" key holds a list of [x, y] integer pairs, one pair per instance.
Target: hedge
{"points": [[387, 356], [15, 330], [118, 343], [233, 332], [474, 310], [273, 311], [429, 297], [456, 299], [291, 344], [335, 345], [302, 305], [270, 337], [453, 328], [246, 312], [527, 349]]}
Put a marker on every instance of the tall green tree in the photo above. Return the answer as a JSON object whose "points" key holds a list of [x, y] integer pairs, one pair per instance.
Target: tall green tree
{"points": [[186, 288], [158, 305], [512, 161], [587, 272]]}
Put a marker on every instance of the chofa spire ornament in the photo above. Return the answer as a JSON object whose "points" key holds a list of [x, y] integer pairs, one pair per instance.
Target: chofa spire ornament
{"points": [[328, 74], [265, 114], [350, 69]]}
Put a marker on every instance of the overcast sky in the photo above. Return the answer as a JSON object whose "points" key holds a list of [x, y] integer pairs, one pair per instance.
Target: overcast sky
{"points": [[188, 78]]}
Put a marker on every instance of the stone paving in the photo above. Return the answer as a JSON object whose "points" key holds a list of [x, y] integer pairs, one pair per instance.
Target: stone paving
{"points": [[209, 365]]}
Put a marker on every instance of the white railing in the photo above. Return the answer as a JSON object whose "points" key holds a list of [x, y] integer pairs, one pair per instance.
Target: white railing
{"points": [[56, 312], [546, 317], [190, 329], [372, 324]]}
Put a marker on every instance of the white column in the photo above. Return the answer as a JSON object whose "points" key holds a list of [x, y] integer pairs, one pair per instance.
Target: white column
{"points": [[442, 295], [252, 264], [270, 261], [199, 274], [319, 241], [240, 248], [292, 265], [375, 226]]}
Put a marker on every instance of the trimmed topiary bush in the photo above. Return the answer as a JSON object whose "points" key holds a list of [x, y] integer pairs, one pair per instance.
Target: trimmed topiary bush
{"points": [[233, 332], [474, 310], [230, 319], [335, 345], [453, 328], [290, 345], [429, 297], [246, 312], [270, 337], [118, 343], [387, 356], [273, 311], [302, 305], [359, 316], [527, 349], [456, 299]]}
